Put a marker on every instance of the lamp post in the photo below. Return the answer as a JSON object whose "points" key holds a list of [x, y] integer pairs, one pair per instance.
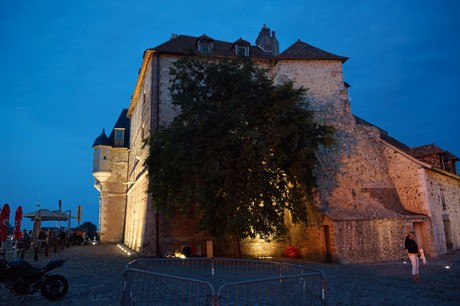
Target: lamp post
{"points": [[78, 215]]}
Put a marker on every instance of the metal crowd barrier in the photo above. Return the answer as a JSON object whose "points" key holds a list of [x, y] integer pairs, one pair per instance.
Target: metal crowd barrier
{"points": [[221, 282]]}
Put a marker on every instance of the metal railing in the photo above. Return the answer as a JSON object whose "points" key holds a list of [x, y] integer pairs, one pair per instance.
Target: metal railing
{"points": [[221, 282]]}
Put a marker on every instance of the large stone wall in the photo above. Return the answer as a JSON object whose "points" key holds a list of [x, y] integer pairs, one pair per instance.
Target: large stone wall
{"points": [[408, 176], [354, 187], [444, 200], [307, 238], [113, 197], [136, 206], [352, 174], [409, 181], [425, 190], [371, 240], [172, 232], [365, 190], [322, 79], [181, 230], [167, 112]]}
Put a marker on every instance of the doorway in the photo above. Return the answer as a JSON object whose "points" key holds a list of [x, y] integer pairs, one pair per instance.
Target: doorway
{"points": [[448, 233], [327, 242], [418, 229]]}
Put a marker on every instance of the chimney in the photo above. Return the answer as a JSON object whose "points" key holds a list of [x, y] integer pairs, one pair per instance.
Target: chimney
{"points": [[267, 42], [275, 45]]}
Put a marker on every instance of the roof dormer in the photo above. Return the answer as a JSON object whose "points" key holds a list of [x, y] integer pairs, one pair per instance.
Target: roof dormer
{"points": [[205, 44], [241, 47], [119, 137]]}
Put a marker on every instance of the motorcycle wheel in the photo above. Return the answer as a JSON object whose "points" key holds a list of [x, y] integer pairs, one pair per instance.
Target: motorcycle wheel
{"points": [[54, 287]]}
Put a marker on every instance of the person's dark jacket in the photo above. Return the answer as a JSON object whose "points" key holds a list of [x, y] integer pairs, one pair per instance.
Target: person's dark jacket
{"points": [[411, 246]]}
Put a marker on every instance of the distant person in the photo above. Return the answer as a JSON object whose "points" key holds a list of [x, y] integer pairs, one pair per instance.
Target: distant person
{"points": [[413, 252], [23, 244], [62, 239], [25, 235], [42, 235]]}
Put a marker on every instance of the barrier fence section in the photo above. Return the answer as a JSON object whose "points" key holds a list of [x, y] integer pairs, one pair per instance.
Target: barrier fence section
{"points": [[238, 282], [149, 288]]}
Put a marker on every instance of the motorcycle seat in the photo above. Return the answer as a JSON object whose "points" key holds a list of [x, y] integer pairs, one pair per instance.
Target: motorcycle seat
{"points": [[54, 263], [19, 263]]}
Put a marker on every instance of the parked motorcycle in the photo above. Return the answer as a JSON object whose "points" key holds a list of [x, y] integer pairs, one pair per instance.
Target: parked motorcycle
{"points": [[21, 278]]}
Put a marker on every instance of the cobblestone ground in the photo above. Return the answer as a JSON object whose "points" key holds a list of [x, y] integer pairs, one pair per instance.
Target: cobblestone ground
{"points": [[94, 274], [95, 278], [391, 283]]}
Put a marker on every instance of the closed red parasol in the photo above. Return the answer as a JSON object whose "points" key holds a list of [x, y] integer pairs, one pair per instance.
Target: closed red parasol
{"points": [[17, 223], [4, 218]]}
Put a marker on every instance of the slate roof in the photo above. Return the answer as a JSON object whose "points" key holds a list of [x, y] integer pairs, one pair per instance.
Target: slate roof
{"points": [[187, 45], [417, 152], [302, 50], [102, 140], [431, 149], [123, 122]]}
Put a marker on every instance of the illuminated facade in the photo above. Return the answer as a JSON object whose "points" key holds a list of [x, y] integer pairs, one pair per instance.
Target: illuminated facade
{"points": [[110, 178], [371, 188]]}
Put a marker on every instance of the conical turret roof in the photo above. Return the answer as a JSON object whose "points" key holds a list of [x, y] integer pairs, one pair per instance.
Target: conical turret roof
{"points": [[102, 140]]}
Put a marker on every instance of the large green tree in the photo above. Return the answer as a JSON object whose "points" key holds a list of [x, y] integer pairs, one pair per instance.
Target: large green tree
{"points": [[90, 229], [241, 149]]}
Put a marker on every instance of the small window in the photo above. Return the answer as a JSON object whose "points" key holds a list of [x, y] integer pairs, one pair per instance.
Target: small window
{"points": [[443, 199], [119, 134], [242, 51], [205, 44], [204, 47], [241, 47]]}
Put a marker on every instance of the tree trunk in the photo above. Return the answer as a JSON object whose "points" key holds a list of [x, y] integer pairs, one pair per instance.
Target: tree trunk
{"points": [[236, 246]]}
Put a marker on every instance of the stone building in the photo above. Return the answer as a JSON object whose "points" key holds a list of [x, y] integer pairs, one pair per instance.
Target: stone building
{"points": [[110, 168], [372, 189]]}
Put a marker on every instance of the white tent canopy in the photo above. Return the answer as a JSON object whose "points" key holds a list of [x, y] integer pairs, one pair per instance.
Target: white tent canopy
{"points": [[48, 215]]}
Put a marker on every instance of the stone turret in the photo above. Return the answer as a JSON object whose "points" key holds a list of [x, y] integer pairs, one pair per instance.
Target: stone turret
{"points": [[101, 159], [110, 170], [268, 42]]}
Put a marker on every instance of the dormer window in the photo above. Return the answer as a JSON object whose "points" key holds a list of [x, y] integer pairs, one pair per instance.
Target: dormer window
{"points": [[205, 44], [241, 47], [242, 51], [119, 139], [204, 47]]}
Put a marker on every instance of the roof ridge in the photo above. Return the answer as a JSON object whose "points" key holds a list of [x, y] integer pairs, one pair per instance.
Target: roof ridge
{"points": [[302, 50], [186, 44]]}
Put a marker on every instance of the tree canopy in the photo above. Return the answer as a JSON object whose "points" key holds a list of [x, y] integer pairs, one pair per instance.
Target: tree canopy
{"points": [[90, 229], [241, 149]]}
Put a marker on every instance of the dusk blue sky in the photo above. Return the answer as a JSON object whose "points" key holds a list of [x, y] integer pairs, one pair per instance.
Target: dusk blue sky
{"points": [[68, 68]]}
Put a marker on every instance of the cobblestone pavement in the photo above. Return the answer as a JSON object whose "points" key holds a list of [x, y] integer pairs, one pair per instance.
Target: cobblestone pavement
{"points": [[94, 274], [95, 278], [390, 283]]}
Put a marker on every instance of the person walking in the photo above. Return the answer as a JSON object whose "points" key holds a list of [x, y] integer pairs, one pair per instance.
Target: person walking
{"points": [[412, 251]]}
